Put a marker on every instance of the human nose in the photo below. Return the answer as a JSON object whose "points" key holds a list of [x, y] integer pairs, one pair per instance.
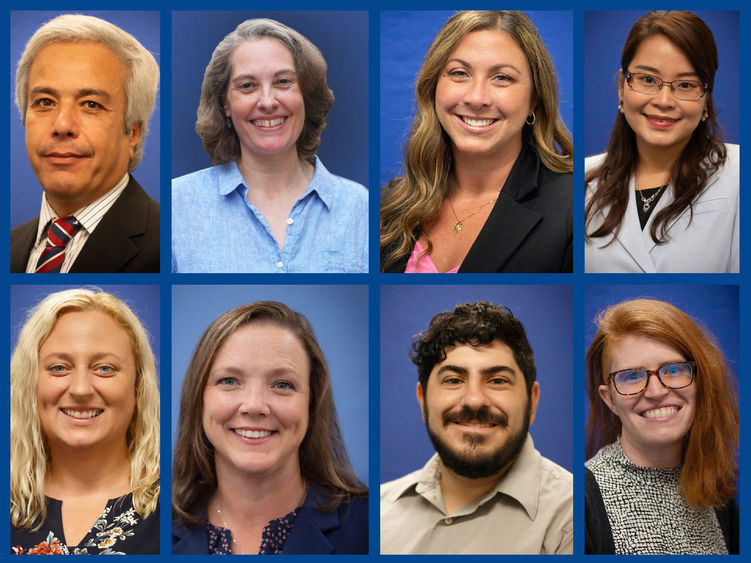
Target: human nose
{"points": [[474, 394], [665, 95], [654, 387], [254, 401], [66, 122], [477, 93], [80, 383], [267, 97]]}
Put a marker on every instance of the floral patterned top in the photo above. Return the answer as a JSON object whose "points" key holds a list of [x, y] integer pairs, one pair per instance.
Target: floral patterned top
{"points": [[272, 542], [120, 530]]}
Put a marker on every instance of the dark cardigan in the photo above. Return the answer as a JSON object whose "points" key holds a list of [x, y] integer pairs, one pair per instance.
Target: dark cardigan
{"points": [[598, 536]]}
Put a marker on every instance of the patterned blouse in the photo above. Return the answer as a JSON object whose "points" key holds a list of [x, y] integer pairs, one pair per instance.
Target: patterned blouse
{"points": [[274, 537], [120, 530], [646, 510]]}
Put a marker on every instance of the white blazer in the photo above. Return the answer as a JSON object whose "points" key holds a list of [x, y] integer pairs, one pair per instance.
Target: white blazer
{"points": [[708, 244]]}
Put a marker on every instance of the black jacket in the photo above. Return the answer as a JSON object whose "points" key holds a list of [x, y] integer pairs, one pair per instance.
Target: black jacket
{"points": [[530, 228], [125, 240]]}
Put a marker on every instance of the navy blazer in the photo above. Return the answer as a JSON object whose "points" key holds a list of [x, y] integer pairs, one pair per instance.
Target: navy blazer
{"points": [[125, 240], [344, 530], [529, 230]]}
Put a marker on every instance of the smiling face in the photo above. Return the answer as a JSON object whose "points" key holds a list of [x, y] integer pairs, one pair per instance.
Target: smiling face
{"points": [[476, 408], [86, 385], [484, 95], [256, 401], [75, 123], [264, 99], [661, 120], [655, 422]]}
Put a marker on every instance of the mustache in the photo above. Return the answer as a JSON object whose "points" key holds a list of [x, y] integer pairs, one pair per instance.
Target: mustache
{"points": [[64, 148], [481, 415]]}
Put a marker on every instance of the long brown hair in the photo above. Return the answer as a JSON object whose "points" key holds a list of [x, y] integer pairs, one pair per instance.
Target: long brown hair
{"points": [[703, 155], [709, 470], [414, 199], [323, 456]]}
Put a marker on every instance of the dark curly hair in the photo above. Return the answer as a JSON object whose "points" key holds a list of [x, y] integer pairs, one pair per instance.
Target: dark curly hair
{"points": [[475, 324]]}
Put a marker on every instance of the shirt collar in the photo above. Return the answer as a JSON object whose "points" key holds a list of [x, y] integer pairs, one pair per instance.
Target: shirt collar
{"points": [[89, 215], [521, 482], [322, 184]]}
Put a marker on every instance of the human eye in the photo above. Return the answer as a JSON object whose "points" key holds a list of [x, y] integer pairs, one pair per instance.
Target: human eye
{"points": [[57, 369], [687, 85], [457, 74], [227, 381], [630, 375], [284, 385], [105, 370], [499, 380], [285, 81], [503, 79], [92, 105], [451, 380], [42, 103]]}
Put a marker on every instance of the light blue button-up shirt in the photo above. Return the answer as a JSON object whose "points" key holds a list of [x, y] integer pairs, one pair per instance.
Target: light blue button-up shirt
{"points": [[216, 229]]}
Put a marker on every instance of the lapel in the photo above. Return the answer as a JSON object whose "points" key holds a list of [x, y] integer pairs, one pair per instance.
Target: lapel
{"points": [[307, 535], [637, 243], [21, 242], [110, 246], [189, 541], [510, 221]]}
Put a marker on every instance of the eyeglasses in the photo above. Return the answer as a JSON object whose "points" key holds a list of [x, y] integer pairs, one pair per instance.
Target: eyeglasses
{"points": [[649, 84], [676, 375]]}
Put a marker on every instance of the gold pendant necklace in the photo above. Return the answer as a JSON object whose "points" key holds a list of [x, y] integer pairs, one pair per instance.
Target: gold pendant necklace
{"points": [[459, 225]]}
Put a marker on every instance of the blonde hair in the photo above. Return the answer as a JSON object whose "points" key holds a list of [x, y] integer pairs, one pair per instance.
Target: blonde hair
{"points": [[29, 451], [416, 197]]}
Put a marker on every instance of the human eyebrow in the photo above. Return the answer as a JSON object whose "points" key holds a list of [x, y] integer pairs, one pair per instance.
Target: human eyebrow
{"points": [[653, 70], [88, 92], [492, 370], [43, 90], [452, 369]]}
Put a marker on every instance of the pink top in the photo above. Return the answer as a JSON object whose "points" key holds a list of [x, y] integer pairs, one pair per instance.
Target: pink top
{"points": [[420, 263]]}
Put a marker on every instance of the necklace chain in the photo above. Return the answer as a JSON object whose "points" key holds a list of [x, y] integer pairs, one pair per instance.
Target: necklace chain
{"points": [[226, 527], [459, 225], [646, 201]]}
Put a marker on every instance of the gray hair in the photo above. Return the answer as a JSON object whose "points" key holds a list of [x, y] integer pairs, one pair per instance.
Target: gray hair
{"points": [[143, 77], [220, 141]]}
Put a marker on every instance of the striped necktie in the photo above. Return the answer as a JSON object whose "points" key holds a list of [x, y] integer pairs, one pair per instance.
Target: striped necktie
{"points": [[59, 234]]}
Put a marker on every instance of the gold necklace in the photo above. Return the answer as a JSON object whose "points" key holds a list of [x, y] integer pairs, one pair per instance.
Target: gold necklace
{"points": [[459, 225]]}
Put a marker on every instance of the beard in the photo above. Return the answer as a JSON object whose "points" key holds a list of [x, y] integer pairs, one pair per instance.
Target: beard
{"points": [[470, 461]]}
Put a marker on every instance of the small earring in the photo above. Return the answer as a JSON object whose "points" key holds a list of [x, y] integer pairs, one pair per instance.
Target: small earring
{"points": [[620, 106], [532, 115], [229, 122], [705, 115]]}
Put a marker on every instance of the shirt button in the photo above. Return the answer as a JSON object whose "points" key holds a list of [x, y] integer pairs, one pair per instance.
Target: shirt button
{"points": [[290, 220], [448, 520], [280, 264]]}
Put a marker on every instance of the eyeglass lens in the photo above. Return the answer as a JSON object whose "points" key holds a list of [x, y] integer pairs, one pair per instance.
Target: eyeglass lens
{"points": [[673, 376], [682, 89]]}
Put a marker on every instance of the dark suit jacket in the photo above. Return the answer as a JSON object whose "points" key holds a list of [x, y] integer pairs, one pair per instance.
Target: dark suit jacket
{"points": [[344, 530], [530, 228], [125, 240]]}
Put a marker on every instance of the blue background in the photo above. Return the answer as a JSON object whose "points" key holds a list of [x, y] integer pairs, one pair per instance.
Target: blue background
{"points": [[26, 193], [342, 38], [405, 38], [605, 34], [339, 317], [546, 313]]}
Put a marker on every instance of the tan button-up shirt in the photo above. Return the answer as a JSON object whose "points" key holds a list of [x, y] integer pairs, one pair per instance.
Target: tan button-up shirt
{"points": [[530, 510]]}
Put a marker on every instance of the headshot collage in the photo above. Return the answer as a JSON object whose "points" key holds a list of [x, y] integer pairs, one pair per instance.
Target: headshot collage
{"points": [[229, 203]]}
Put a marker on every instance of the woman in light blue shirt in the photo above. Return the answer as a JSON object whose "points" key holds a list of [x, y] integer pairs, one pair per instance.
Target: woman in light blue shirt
{"points": [[268, 204]]}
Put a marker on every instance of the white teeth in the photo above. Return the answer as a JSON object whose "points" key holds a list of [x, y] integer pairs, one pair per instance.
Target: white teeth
{"points": [[477, 122], [252, 433], [82, 414], [662, 412], [269, 122]]}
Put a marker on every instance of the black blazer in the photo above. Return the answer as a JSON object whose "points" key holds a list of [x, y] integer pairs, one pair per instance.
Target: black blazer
{"points": [[530, 228], [344, 530], [125, 240]]}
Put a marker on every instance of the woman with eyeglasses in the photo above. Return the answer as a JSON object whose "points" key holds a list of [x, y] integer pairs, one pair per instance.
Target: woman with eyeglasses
{"points": [[661, 436], [664, 198]]}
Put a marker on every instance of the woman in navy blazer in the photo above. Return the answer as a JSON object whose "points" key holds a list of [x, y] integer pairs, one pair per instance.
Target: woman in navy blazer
{"points": [[260, 465]]}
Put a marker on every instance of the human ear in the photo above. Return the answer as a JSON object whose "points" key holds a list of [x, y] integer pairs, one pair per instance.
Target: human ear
{"points": [[534, 397], [606, 397], [421, 400]]}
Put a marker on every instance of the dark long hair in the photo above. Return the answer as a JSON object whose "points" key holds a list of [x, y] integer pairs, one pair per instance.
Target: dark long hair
{"points": [[323, 456], [703, 155]]}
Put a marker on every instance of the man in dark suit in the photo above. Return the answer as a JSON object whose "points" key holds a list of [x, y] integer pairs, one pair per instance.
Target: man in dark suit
{"points": [[86, 89]]}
